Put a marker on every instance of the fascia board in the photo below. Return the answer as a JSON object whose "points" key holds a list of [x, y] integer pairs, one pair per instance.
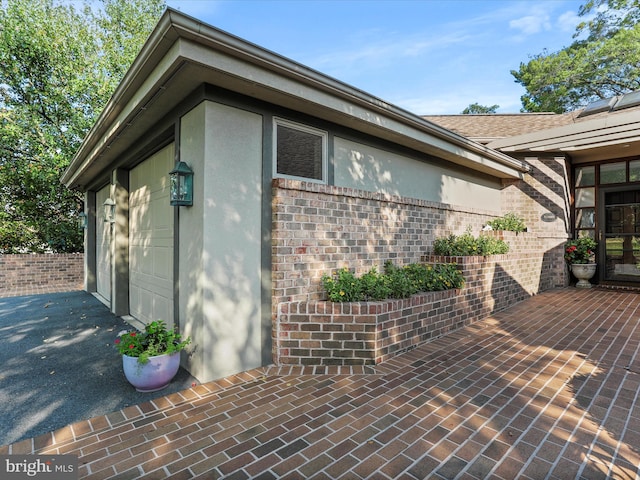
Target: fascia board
{"points": [[348, 109], [371, 109], [609, 142], [155, 48], [583, 140], [584, 134]]}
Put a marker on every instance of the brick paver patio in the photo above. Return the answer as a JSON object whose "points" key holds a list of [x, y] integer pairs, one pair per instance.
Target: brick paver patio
{"points": [[546, 389]]}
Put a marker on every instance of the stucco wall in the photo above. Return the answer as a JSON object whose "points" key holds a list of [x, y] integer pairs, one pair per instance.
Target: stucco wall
{"points": [[220, 240], [375, 170]]}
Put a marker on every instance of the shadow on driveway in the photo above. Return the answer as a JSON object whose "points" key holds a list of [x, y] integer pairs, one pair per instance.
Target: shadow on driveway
{"points": [[59, 366]]}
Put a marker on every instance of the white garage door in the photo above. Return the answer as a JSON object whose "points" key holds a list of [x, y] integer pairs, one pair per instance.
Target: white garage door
{"points": [[103, 247], [151, 239]]}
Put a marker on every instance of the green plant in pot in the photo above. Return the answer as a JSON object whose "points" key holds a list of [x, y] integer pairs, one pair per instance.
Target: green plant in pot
{"points": [[151, 358], [580, 255]]}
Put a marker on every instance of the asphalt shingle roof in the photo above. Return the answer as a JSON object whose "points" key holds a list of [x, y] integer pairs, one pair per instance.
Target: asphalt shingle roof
{"points": [[485, 128]]}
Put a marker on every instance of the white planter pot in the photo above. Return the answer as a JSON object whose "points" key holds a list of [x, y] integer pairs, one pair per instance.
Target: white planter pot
{"points": [[153, 375], [583, 272]]}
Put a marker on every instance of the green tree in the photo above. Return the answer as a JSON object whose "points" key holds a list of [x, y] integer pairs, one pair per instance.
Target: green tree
{"points": [[603, 61], [476, 108], [60, 65]]}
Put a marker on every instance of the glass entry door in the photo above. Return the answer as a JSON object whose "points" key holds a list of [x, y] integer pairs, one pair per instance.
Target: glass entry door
{"points": [[620, 240]]}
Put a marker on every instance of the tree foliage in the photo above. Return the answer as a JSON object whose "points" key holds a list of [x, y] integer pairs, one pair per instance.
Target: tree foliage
{"points": [[60, 65], [476, 108], [603, 60]]}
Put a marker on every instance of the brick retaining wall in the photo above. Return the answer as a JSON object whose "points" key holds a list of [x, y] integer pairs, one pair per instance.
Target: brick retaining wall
{"points": [[37, 270], [367, 333]]}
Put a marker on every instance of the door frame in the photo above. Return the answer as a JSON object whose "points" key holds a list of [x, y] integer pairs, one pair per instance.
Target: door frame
{"points": [[601, 253]]}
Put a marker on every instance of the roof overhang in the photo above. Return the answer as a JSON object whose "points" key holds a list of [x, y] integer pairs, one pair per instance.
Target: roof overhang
{"points": [[182, 53], [613, 136]]}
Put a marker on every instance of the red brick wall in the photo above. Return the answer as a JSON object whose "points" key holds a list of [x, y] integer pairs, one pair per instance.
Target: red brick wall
{"points": [[326, 333], [367, 333], [36, 270], [318, 229]]}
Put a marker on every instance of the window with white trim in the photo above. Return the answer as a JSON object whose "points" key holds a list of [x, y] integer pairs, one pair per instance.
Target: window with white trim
{"points": [[299, 151]]}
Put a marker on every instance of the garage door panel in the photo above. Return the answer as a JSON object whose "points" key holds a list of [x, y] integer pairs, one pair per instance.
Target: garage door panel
{"points": [[164, 225], [139, 264], [151, 239], [162, 264], [152, 284]]}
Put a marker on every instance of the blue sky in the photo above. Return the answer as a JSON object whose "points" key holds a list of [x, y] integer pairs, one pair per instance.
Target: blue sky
{"points": [[426, 56]]}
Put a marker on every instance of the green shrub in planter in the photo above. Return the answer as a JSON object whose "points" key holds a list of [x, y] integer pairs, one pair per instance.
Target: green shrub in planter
{"points": [[344, 287], [510, 222], [375, 286], [466, 244], [395, 282]]}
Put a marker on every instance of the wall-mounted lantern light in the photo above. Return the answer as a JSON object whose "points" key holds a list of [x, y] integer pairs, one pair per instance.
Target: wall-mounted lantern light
{"points": [[82, 220], [109, 210], [181, 185]]}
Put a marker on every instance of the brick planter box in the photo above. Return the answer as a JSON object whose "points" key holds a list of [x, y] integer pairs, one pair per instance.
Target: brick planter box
{"points": [[328, 333], [367, 333]]}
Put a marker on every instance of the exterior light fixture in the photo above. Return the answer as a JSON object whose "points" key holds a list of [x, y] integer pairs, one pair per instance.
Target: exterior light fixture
{"points": [[181, 185], [82, 220], [109, 210]]}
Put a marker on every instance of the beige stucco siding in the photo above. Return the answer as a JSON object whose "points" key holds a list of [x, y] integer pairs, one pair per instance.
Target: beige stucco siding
{"points": [[368, 168], [220, 268]]}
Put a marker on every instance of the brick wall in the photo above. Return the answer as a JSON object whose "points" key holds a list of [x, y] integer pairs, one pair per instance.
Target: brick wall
{"points": [[37, 270], [542, 198], [544, 191], [318, 229], [367, 333]]}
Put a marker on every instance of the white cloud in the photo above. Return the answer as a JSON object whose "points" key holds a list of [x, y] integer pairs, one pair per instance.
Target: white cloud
{"points": [[385, 51], [568, 21], [531, 24]]}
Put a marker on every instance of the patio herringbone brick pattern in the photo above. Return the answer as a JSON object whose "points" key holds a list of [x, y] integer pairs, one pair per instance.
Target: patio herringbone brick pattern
{"points": [[546, 389]]}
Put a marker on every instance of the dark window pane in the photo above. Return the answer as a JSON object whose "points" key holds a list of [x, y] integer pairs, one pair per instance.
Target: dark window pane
{"points": [[613, 173], [634, 171], [299, 153]]}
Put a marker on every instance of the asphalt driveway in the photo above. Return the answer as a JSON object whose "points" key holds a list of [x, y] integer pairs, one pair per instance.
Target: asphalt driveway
{"points": [[58, 364]]}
